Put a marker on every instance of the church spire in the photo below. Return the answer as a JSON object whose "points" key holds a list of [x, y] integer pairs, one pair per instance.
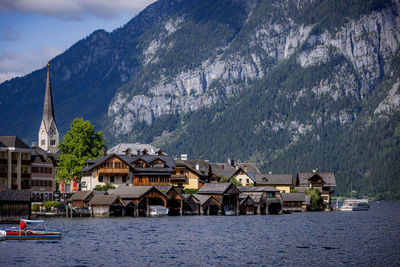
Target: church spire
{"points": [[48, 110], [48, 132]]}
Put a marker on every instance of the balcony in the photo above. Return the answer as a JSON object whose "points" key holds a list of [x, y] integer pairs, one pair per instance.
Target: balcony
{"points": [[178, 178], [113, 171]]}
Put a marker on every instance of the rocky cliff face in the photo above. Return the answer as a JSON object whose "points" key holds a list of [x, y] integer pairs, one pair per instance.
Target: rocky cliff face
{"points": [[368, 43]]}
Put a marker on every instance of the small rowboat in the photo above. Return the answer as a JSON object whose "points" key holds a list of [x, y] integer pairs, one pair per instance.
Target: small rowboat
{"points": [[3, 235], [32, 232]]}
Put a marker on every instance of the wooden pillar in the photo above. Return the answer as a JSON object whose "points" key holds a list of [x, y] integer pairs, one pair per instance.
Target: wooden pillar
{"points": [[147, 207], [220, 210], [258, 210], [181, 211], [201, 211]]}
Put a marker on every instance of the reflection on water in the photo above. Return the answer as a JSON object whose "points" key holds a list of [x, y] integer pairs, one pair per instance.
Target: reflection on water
{"points": [[369, 238]]}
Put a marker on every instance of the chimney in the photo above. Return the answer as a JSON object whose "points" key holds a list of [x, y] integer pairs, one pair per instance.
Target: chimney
{"points": [[245, 168], [231, 162], [197, 167], [314, 170], [184, 157], [270, 172], [34, 145]]}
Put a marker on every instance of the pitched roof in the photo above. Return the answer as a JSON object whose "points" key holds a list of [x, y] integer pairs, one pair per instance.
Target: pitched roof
{"points": [[222, 169], [256, 196], [12, 141], [94, 163], [133, 192], [257, 189], [15, 195], [39, 152], [103, 200], [220, 188], [199, 166], [274, 179], [246, 199], [327, 177], [133, 148], [81, 195], [164, 188], [204, 198], [293, 197], [169, 160]]}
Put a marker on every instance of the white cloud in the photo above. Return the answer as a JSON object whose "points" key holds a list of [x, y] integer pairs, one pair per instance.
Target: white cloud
{"points": [[19, 64], [75, 9]]}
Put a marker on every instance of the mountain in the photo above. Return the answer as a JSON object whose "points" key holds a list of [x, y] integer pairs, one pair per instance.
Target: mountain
{"points": [[289, 85]]}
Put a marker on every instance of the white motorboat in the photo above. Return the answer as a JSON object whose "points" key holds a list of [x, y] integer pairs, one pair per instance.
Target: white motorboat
{"points": [[355, 205], [158, 210]]}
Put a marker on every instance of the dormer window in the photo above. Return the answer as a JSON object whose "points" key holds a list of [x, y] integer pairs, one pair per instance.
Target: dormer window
{"points": [[140, 164], [158, 165]]}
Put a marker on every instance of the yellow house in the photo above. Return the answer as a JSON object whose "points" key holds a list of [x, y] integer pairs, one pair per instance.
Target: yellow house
{"points": [[242, 178], [190, 174], [282, 182]]}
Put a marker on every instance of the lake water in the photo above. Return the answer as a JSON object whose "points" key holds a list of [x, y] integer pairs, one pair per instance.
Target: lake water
{"points": [[369, 238]]}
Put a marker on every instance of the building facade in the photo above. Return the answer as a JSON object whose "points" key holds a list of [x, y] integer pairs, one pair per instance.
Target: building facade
{"points": [[43, 175], [15, 163]]}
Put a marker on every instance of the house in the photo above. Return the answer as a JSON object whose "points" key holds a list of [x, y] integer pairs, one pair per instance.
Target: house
{"points": [[43, 169], [190, 174], [231, 169], [174, 201], [246, 205], [191, 205], [267, 199], [151, 169], [137, 199], [293, 202], [226, 193], [14, 204], [324, 182], [81, 199], [106, 206], [15, 163], [209, 205], [282, 182], [112, 169]]}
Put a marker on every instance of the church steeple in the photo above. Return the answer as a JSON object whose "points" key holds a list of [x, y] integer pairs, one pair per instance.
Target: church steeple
{"points": [[48, 109], [48, 133]]}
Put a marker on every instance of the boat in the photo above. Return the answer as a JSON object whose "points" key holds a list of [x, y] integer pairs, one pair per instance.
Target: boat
{"points": [[35, 229], [3, 235], [156, 210], [355, 205]]}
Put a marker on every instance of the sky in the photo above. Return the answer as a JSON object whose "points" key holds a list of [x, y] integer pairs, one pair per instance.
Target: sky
{"points": [[34, 31]]}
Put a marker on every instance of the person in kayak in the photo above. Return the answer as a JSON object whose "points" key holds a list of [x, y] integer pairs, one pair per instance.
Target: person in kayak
{"points": [[22, 226]]}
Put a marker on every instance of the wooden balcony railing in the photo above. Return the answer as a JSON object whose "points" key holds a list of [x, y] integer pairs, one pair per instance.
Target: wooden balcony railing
{"points": [[113, 171]]}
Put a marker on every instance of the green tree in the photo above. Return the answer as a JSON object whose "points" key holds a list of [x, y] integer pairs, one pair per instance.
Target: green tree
{"points": [[81, 143], [316, 202], [104, 187], [232, 180]]}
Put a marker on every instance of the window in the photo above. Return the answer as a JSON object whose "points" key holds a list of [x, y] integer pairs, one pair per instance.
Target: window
{"points": [[247, 180], [158, 165], [112, 178], [50, 170], [52, 142], [101, 178], [181, 172], [42, 142], [124, 179], [140, 179], [140, 165]]}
